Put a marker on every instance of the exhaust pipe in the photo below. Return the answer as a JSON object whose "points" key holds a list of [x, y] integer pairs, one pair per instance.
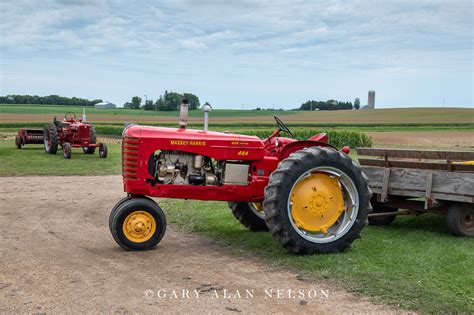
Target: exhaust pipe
{"points": [[183, 114], [206, 108]]}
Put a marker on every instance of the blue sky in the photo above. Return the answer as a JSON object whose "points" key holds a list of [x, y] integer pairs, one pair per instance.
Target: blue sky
{"points": [[241, 53]]}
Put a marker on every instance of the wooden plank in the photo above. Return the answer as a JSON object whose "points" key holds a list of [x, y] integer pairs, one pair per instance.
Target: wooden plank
{"points": [[414, 194], [440, 166], [414, 180], [417, 154], [386, 177], [428, 192]]}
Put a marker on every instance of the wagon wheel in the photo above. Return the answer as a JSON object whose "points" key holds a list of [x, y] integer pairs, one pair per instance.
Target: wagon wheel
{"points": [[460, 219]]}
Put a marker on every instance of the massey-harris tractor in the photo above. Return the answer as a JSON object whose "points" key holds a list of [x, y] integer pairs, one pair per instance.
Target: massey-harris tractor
{"points": [[72, 133], [311, 197]]}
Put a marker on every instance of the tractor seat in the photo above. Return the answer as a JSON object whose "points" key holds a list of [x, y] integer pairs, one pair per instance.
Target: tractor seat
{"points": [[321, 137]]}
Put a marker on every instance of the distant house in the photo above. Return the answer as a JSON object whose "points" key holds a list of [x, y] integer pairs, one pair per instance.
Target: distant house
{"points": [[105, 105]]}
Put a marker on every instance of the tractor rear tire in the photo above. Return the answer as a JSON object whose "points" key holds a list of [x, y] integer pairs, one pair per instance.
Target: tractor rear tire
{"points": [[18, 142], [385, 220], [460, 219], [67, 150], [102, 150], [249, 216], [51, 139], [92, 140], [345, 183], [138, 224]]}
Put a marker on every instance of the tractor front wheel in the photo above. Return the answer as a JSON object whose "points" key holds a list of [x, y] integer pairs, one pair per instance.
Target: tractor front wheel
{"points": [[18, 142], [102, 150], [250, 214], [67, 150], [317, 201], [137, 224], [92, 140]]}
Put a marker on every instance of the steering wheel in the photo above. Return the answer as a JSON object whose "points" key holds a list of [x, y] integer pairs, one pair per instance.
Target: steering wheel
{"points": [[70, 114], [283, 127]]}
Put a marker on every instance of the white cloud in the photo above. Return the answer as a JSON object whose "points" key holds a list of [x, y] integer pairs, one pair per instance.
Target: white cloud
{"points": [[251, 40]]}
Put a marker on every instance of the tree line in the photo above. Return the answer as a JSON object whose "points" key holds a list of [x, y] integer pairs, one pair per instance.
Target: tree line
{"points": [[47, 100], [169, 101], [327, 105]]}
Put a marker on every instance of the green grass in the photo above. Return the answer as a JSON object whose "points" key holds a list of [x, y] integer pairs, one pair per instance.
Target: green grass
{"points": [[413, 263], [32, 160]]}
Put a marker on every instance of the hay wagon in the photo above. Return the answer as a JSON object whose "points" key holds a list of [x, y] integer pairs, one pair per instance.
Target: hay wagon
{"points": [[421, 181]]}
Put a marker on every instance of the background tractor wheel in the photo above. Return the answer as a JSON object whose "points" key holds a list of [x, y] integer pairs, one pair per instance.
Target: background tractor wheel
{"points": [[138, 224], [51, 139], [92, 140], [386, 220], [18, 142], [102, 150], [460, 219], [250, 214], [67, 150], [317, 201]]}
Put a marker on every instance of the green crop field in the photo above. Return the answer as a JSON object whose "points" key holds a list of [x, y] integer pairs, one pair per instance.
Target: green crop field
{"points": [[378, 117]]}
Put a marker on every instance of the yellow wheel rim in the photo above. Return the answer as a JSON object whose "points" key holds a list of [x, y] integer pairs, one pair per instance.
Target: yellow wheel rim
{"points": [[139, 226], [317, 202]]}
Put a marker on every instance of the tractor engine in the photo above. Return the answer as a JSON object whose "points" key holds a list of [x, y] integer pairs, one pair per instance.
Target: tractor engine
{"points": [[181, 168]]}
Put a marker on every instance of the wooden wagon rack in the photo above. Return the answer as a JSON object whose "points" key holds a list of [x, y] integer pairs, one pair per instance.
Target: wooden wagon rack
{"points": [[420, 181]]}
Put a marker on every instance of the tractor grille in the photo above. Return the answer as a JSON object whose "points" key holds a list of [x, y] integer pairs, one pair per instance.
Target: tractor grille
{"points": [[129, 158]]}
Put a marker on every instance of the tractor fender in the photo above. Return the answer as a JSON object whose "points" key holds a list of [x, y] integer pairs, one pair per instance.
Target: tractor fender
{"points": [[299, 145]]}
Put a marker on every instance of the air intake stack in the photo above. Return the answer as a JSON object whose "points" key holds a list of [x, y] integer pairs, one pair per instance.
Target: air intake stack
{"points": [[183, 114]]}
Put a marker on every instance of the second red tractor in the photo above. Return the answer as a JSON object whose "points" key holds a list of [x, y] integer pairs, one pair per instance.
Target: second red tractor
{"points": [[72, 133]]}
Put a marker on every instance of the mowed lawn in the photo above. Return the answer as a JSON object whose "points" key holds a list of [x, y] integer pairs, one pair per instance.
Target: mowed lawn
{"points": [[414, 263], [32, 160]]}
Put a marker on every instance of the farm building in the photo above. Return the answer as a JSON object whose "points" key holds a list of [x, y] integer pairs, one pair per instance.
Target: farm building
{"points": [[105, 105]]}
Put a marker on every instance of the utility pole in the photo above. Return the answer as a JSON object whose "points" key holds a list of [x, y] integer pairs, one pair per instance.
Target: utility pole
{"points": [[443, 102]]}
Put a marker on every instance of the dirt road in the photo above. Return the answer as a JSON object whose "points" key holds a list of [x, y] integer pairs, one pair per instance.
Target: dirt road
{"points": [[56, 255]]}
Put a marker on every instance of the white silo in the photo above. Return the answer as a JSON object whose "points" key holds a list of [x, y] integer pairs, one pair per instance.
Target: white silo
{"points": [[371, 100]]}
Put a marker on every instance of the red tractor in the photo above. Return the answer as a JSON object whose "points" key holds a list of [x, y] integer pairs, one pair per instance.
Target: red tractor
{"points": [[310, 196], [72, 133]]}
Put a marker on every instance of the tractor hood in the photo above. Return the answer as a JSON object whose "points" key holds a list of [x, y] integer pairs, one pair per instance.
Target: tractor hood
{"points": [[218, 145]]}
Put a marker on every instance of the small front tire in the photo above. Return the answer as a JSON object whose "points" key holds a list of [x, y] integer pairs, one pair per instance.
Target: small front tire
{"points": [[92, 140], [18, 142], [67, 150], [102, 150], [138, 224]]}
